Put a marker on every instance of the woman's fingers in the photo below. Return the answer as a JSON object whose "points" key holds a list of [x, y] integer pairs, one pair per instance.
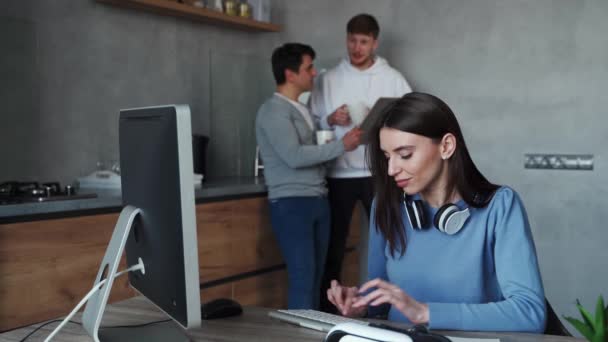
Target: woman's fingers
{"points": [[340, 296], [378, 283], [384, 293], [343, 298], [336, 290], [351, 295], [350, 310], [383, 299], [330, 297], [368, 298]]}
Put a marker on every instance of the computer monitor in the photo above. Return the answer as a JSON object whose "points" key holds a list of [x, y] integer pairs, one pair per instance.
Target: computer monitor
{"points": [[157, 224]]}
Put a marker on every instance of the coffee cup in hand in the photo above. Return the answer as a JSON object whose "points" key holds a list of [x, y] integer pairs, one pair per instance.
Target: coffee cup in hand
{"points": [[323, 137], [357, 111]]}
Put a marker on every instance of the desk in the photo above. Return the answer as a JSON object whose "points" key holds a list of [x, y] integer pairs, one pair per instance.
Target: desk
{"points": [[253, 325]]}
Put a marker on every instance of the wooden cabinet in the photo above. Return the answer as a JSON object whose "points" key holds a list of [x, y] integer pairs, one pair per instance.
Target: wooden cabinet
{"points": [[172, 8], [238, 254], [47, 266]]}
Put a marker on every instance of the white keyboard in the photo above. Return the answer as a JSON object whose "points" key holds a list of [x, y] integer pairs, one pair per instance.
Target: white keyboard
{"points": [[313, 319]]}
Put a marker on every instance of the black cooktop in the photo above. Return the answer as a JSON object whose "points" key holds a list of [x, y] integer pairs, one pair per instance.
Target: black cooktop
{"points": [[14, 192]]}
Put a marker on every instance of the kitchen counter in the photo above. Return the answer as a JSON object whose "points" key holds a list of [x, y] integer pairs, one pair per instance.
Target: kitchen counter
{"points": [[111, 201], [61, 244]]}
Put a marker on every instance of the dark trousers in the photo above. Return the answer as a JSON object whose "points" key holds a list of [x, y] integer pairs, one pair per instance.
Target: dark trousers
{"points": [[343, 195], [301, 226]]}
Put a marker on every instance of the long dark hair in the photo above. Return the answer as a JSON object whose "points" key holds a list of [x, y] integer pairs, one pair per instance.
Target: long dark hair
{"points": [[429, 116]]}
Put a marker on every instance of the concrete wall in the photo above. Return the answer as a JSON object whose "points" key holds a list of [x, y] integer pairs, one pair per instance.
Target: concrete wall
{"points": [[522, 76], [68, 66]]}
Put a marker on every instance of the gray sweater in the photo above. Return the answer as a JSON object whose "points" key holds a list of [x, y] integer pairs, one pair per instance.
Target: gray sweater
{"points": [[293, 163]]}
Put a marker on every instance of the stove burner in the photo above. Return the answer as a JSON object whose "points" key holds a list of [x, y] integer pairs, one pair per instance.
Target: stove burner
{"points": [[14, 192]]}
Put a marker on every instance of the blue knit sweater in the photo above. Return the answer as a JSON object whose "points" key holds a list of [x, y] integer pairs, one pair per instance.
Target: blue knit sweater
{"points": [[485, 277]]}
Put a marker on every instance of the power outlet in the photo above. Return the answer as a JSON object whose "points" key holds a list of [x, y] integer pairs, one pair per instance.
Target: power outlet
{"points": [[558, 161]]}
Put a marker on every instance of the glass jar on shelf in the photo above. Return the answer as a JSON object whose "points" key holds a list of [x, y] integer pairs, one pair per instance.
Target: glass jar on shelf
{"points": [[244, 9], [195, 3], [230, 7], [216, 5], [199, 3], [260, 10]]}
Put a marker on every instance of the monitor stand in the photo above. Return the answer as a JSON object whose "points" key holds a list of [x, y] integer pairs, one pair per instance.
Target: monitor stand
{"points": [[157, 332], [96, 305]]}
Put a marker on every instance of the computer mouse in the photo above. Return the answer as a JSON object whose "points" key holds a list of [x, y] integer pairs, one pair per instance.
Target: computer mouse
{"points": [[420, 333], [363, 332], [417, 333], [220, 308]]}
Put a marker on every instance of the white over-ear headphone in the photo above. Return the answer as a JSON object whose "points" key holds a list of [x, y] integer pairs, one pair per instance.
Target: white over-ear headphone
{"points": [[449, 218]]}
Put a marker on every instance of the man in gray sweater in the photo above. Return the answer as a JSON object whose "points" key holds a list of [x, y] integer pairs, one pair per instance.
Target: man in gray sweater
{"points": [[294, 170]]}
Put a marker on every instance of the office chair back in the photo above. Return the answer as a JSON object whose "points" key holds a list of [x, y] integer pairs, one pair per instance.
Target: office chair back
{"points": [[554, 325]]}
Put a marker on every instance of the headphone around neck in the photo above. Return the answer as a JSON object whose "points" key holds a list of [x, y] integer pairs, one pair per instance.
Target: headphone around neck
{"points": [[449, 219]]}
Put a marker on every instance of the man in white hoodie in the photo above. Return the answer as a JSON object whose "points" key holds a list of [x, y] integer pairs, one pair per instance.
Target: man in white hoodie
{"points": [[340, 100]]}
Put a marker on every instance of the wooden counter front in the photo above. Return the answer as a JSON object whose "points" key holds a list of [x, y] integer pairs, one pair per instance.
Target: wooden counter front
{"points": [[47, 266]]}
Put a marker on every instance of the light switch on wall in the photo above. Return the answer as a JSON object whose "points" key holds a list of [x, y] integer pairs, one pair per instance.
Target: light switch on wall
{"points": [[558, 161]]}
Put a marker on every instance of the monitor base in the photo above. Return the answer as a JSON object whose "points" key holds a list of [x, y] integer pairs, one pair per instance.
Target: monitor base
{"points": [[159, 332], [96, 305]]}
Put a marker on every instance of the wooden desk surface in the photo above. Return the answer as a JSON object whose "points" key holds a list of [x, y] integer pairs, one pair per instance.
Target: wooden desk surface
{"points": [[253, 325]]}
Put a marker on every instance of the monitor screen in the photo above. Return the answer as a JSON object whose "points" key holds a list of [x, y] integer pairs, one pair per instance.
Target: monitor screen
{"points": [[157, 178], [157, 227]]}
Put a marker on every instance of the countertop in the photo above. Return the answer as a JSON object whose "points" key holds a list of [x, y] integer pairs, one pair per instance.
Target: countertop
{"points": [[111, 201]]}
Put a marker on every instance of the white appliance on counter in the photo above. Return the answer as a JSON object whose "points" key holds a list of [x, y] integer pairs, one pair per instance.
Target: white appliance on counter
{"points": [[101, 179], [110, 180]]}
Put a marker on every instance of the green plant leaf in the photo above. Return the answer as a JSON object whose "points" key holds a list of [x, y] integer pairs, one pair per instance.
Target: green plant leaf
{"points": [[597, 338], [584, 329], [600, 328], [606, 317], [589, 321]]}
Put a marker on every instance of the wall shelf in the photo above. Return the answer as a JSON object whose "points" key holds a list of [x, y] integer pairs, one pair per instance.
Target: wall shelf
{"points": [[172, 8]]}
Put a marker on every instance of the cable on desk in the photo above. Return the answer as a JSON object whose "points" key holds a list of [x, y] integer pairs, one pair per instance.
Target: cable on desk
{"points": [[137, 325], [80, 323], [139, 266], [44, 325]]}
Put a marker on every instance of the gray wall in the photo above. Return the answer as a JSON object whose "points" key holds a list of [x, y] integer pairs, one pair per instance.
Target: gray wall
{"points": [[68, 66], [522, 76]]}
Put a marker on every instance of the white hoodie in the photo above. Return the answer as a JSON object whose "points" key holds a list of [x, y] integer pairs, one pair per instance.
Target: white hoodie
{"points": [[345, 84]]}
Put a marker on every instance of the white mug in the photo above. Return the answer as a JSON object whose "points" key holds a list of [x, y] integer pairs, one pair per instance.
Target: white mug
{"points": [[323, 137], [357, 111]]}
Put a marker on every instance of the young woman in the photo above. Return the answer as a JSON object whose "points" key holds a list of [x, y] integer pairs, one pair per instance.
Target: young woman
{"points": [[447, 248]]}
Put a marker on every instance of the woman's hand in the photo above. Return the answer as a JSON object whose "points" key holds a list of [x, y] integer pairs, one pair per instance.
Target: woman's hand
{"points": [[386, 292], [343, 298]]}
